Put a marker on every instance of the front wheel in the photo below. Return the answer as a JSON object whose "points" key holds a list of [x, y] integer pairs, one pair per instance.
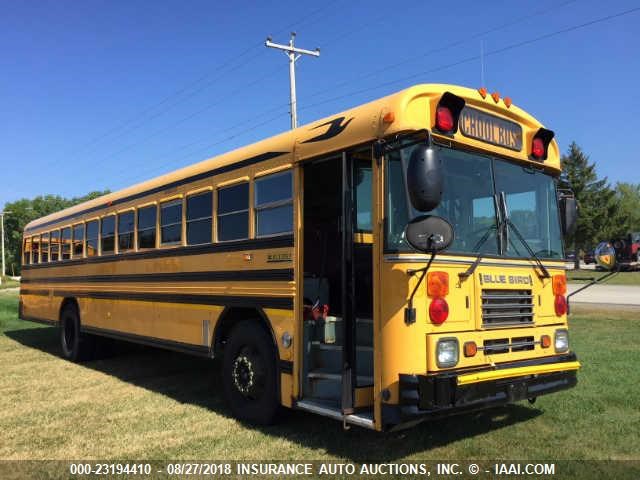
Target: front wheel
{"points": [[250, 374]]}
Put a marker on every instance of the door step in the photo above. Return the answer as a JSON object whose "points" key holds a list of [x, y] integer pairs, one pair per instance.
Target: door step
{"points": [[326, 409], [323, 375]]}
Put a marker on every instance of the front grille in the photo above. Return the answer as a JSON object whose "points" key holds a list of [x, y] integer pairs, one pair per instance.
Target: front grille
{"points": [[503, 345], [506, 308]]}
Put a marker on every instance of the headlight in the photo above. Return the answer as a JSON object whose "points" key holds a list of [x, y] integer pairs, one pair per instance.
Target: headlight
{"points": [[562, 341], [447, 352]]}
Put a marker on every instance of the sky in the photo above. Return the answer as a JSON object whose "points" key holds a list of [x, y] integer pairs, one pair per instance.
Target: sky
{"points": [[105, 94]]}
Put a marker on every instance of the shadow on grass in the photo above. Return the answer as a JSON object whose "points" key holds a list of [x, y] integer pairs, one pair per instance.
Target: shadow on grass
{"points": [[196, 381]]}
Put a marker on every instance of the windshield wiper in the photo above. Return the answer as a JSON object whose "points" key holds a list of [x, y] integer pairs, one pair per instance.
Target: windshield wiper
{"points": [[480, 243], [533, 256]]}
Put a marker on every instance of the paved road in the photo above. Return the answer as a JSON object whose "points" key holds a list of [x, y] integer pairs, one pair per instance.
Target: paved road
{"points": [[606, 294]]}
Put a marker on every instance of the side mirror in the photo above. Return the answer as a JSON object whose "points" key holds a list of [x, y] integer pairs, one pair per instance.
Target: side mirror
{"points": [[605, 256], [568, 215], [429, 233], [424, 178]]}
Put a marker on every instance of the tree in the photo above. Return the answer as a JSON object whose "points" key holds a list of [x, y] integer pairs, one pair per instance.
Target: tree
{"points": [[598, 215], [24, 211], [628, 200]]}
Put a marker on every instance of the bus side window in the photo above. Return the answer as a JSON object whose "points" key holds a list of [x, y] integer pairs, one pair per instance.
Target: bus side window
{"points": [[274, 204], [199, 211], [171, 222], [55, 245], [147, 226], [26, 251], [125, 231], [66, 243], [233, 212], [107, 235], [92, 238], [35, 249], [44, 248], [78, 241]]}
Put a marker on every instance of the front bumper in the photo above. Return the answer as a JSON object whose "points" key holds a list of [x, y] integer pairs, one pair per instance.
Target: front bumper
{"points": [[425, 396]]}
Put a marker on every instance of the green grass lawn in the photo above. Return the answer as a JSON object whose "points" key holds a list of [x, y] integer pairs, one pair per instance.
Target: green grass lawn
{"points": [[8, 283], [622, 278], [151, 404]]}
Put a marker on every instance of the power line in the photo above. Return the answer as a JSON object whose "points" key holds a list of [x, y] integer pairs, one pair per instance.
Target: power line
{"points": [[475, 57]]}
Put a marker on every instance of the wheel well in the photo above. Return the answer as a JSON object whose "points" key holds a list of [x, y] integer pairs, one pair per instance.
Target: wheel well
{"points": [[230, 317], [68, 301]]}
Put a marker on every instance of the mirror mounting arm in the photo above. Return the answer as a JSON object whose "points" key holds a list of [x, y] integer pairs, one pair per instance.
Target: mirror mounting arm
{"points": [[594, 281], [409, 311]]}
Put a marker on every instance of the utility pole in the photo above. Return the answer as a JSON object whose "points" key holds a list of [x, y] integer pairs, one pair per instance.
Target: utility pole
{"points": [[294, 54]]}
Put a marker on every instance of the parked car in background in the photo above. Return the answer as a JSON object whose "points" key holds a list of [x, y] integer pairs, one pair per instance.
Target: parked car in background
{"points": [[588, 257], [570, 256]]}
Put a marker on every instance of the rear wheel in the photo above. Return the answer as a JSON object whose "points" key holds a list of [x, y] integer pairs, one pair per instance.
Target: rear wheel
{"points": [[250, 374], [76, 346]]}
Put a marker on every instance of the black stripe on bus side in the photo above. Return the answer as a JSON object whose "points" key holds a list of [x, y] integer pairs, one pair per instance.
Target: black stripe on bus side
{"points": [[256, 244], [209, 276], [193, 178], [284, 303], [200, 350]]}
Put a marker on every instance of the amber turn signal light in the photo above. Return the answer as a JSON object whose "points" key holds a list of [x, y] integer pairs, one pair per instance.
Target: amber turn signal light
{"points": [[545, 341], [559, 284], [470, 349], [437, 284]]}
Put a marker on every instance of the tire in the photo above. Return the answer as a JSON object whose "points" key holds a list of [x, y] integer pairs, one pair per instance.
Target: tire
{"points": [[76, 346], [249, 374]]}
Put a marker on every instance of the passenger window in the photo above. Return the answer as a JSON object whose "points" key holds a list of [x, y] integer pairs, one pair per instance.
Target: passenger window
{"points": [[66, 243], [274, 205], [78, 241], [92, 238], [35, 249], [363, 196], [199, 208], [44, 247], [55, 245], [233, 212], [26, 251], [107, 235], [147, 226], [171, 222], [125, 231]]}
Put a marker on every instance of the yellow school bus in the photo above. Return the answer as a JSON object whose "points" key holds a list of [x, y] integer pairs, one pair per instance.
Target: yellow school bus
{"points": [[391, 263]]}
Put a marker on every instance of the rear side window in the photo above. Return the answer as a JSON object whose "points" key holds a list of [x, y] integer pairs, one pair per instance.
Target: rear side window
{"points": [[107, 234], [55, 245], [147, 226], [44, 247], [66, 243], [233, 212], [199, 208], [78, 241], [171, 222], [274, 205], [125, 231], [92, 238], [26, 251]]}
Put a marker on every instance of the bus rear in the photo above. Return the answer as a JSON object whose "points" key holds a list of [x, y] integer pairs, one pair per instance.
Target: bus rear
{"points": [[484, 321]]}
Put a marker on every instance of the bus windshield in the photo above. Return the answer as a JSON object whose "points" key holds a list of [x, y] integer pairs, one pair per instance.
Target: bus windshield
{"points": [[470, 183]]}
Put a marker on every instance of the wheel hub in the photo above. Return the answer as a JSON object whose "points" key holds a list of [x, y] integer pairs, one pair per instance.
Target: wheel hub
{"points": [[243, 375]]}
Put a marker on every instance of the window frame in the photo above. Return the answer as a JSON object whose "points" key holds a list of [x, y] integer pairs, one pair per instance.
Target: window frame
{"points": [[155, 226], [171, 202], [97, 238], [26, 257], [115, 234], [234, 212], [132, 231], [210, 192], [272, 205], [62, 244], [73, 240], [42, 235], [57, 244]]}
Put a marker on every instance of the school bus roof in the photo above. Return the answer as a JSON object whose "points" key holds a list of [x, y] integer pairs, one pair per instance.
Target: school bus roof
{"points": [[409, 109]]}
